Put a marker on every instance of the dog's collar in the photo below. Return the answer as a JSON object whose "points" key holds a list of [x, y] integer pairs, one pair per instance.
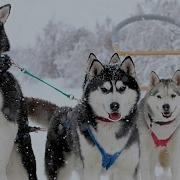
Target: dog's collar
{"points": [[160, 123]]}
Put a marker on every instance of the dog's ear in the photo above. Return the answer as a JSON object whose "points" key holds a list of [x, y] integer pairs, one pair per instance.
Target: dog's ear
{"points": [[95, 68], [4, 13], [176, 77], [91, 58], [154, 79], [128, 66], [115, 59]]}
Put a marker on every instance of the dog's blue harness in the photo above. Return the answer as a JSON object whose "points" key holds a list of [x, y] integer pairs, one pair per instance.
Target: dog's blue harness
{"points": [[107, 159]]}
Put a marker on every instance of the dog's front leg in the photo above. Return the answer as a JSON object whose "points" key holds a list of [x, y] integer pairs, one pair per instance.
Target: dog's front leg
{"points": [[148, 156], [126, 174], [90, 173], [147, 164], [147, 169], [175, 167], [122, 176]]}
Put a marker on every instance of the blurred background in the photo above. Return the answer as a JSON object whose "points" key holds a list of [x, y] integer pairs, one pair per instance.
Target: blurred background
{"points": [[54, 38]]}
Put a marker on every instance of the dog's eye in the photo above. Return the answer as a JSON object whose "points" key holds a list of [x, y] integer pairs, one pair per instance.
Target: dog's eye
{"points": [[122, 89], [173, 95], [159, 97], [104, 90]]}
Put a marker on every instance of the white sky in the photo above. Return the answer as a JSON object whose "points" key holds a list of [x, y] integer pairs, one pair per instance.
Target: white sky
{"points": [[28, 17]]}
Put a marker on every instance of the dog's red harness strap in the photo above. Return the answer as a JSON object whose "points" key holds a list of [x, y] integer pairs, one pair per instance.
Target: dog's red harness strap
{"points": [[160, 142]]}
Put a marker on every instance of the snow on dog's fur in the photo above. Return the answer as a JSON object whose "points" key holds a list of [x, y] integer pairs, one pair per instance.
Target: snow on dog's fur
{"points": [[109, 109], [158, 124], [17, 160]]}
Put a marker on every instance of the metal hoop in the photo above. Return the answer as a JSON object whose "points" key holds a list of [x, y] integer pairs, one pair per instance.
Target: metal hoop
{"points": [[141, 52]]}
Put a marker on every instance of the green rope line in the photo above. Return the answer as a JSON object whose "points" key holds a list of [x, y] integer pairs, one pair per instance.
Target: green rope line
{"points": [[43, 81]]}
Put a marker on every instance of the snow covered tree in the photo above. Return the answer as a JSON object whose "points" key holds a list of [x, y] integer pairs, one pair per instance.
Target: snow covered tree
{"points": [[61, 50]]}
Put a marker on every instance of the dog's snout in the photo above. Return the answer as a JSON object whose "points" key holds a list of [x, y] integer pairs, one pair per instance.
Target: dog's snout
{"points": [[114, 106], [166, 107]]}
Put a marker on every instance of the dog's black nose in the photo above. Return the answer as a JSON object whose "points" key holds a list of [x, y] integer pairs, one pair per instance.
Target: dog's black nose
{"points": [[166, 107], [114, 106]]}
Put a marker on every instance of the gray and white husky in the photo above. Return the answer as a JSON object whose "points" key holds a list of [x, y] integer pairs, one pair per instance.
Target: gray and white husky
{"points": [[17, 161], [159, 123], [85, 137]]}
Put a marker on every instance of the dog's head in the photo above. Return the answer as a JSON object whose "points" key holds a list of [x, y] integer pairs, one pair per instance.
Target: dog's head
{"points": [[111, 90], [163, 100], [4, 13]]}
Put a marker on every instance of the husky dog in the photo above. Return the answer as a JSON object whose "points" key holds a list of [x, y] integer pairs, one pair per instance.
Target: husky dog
{"points": [[17, 161], [98, 135], [159, 121]]}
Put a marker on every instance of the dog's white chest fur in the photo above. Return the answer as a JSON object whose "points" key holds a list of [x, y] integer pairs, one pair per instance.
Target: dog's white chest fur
{"points": [[15, 169], [107, 139], [8, 132], [106, 136]]}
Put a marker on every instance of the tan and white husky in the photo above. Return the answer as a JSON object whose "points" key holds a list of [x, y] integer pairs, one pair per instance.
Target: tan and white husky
{"points": [[159, 127]]}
